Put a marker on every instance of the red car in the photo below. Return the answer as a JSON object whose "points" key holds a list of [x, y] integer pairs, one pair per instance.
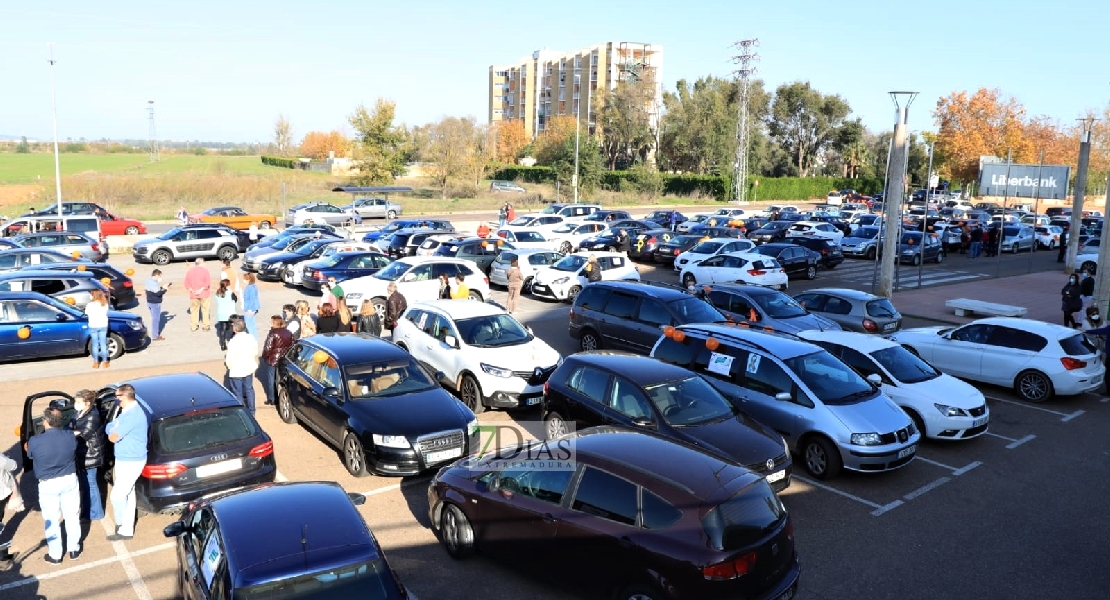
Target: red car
{"points": [[113, 225]]}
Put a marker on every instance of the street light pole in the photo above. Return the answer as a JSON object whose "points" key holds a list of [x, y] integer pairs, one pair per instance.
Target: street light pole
{"points": [[925, 218], [577, 129], [54, 107]]}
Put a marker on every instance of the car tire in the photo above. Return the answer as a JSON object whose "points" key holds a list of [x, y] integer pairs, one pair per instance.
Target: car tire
{"points": [[458, 535], [689, 280], [1033, 386], [871, 253], [348, 222], [1052, 245], [572, 293], [554, 426], [227, 253], [285, 405], [265, 225], [940, 257], [811, 272], [526, 287], [589, 341], [115, 346], [131, 230], [566, 248], [916, 260], [476, 296], [1014, 248], [641, 592], [379, 305], [161, 257], [391, 215], [287, 275], [918, 422], [354, 456], [470, 392], [821, 458]]}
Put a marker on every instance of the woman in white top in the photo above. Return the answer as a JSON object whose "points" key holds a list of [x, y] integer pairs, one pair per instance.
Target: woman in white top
{"points": [[97, 311]]}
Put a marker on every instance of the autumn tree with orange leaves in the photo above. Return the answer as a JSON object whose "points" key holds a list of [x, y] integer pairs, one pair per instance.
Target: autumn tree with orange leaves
{"points": [[980, 124], [317, 145], [554, 135], [509, 139]]}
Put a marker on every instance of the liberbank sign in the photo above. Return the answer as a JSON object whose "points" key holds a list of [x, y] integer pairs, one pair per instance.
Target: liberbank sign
{"points": [[1024, 181]]}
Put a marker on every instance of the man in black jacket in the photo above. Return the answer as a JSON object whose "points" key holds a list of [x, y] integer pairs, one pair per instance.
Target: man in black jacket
{"points": [[154, 293], [1086, 288], [89, 429]]}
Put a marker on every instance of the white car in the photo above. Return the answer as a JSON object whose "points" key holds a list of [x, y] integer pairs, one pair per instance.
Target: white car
{"points": [[711, 247], [530, 261], [942, 407], [488, 357], [834, 198], [570, 234], [527, 238], [573, 213], [731, 213], [322, 212], [1048, 236], [293, 275], [417, 279], [817, 229], [748, 268], [1038, 360], [1088, 259], [431, 243], [564, 279], [545, 224]]}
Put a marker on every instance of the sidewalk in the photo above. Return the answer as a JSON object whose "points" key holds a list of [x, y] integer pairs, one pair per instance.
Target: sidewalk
{"points": [[1039, 293]]}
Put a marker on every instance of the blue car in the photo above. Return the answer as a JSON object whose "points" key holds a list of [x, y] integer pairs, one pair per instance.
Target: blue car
{"points": [[52, 328], [290, 232], [342, 266], [399, 224]]}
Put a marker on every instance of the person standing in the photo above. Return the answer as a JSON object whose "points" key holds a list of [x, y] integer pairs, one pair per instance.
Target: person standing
{"points": [[502, 215], [976, 245], [1070, 302], [328, 321], [1063, 246], [674, 220], [154, 294], [332, 291], [1086, 288], [593, 270], [252, 232], [9, 498], [199, 283], [54, 454], [183, 216], [368, 319], [87, 426], [292, 323], [344, 313], [306, 321], [129, 433], [251, 304], [625, 242], [483, 230], [510, 213], [227, 273], [97, 311], [516, 283], [225, 309], [395, 306], [241, 361], [444, 287], [278, 341], [461, 291]]}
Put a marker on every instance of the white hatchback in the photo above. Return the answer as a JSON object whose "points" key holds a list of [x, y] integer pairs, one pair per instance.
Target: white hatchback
{"points": [[541, 222], [488, 357], [528, 238], [942, 407], [817, 229], [711, 247], [530, 261], [417, 279], [569, 235], [748, 268], [564, 279]]}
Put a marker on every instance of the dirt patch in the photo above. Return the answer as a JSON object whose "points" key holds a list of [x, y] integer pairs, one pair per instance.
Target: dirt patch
{"points": [[19, 196]]}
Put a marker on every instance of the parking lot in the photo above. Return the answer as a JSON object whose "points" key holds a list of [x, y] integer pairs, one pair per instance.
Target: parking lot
{"points": [[1016, 513]]}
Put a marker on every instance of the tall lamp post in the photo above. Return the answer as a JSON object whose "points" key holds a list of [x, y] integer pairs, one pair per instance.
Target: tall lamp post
{"points": [[895, 186], [54, 107], [577, 129]]}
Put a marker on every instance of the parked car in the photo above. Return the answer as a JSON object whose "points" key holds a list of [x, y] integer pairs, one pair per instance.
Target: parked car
{"points": [[112, 225], [830, 416], [233, 216], [14, 259], [231, 538], [758, 306], [564, 279], [819, 229], [663, 217], [571, 234], [371, 400], [863, 242], [719, 231], [669, 251], [853, 310], [543, 223], [524, 238], [1038, 360], [417, 278], [279, 267], [242, 236], [749, 268], [774, 231], [608, 240], [636, 225], [831, 254], [646, 241], [342, 266], [72, 287], [490, 359], [432, 243], [69, 208], [283, 236], [51, 328], [438, 224], [405, 242], [297, 273], [375, 208], [571, 212], [793, 259], [497, 186], [201, 439], [1018, 238], [529, 260], [121, 286], [186, 243], [708, 248], [834, 198], [255, 257], [87, 225], [630, 315], [479, 251], [1048, 237], [685, 226], [605, 216], [915, 246], [65, 242], [322, 212], [722, 535], [941, 406]]}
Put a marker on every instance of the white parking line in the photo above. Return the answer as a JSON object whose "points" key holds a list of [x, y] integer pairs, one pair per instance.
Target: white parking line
{"points": [[124, 556], [879, 508], [1065, 417], [83, 567], [397, 486], [955, 470], [1013, 443], [926, 488]]}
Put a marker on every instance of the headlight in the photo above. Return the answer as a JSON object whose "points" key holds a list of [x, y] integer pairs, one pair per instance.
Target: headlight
{"points": [[560, 281], [496, 371], [391, 441], [866, 439], [472, 427], [950, 411], [136, 325]]}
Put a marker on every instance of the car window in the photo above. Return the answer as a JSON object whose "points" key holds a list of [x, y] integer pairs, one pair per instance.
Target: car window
{"points": [[836, 306], [1008, 337], [653, 313], [830, 379], [200, 526], [590, 383], [713, 261], [975, 334], [656, 513], [855, 359], [690, 401], [625, 398], [606, 496], [544, 485], [621, 306], [763, 375], [201, 430], [419, 273], [384, 379]]}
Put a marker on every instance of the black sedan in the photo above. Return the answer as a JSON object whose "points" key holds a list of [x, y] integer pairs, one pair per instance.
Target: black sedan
{"points": [[795, 260], [608, 240], [831, 254], [279, 267], [637, 224], [775, 231], [666, 252], [645, 242], [663, 217], [121, 284], [342, 266], [373, 401], [716, 232]]}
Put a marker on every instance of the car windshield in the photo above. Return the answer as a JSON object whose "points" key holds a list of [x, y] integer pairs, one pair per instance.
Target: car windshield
{"points": [[394, 226], [380, 380], [204, 429], [779, 306], [689, 401], [283, 244], [832, 381], [1011, 231], [394, 270], [327, 263], [311, 247], [683, 240], [369, 580], [521, 221], [551, 209], [881, 308], [695, 310], [493, 331], [904, 365], [777, 225], [706, 248], [169, 234], [570, 263]]}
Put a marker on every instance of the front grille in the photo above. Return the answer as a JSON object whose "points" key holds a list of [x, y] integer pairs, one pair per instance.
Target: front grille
{"points": [[900, 436], [443, 440], [534, 378], [140, 250], [761, 467], [978, 411]]}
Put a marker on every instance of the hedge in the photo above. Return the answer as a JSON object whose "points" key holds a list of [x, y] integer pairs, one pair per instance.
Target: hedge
{"points": [[274, 161], [524, 174]]}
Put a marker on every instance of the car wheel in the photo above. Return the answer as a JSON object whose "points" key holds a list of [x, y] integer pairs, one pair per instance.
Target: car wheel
{"points": [[348, 222], [458, 535], [354, 457], [811, 272], [916, 259], [871, 253], [589, 341], [1052, 245], [391, 215], [226, 253], [1090, 266], [287, 275], [572, 293], [161, 257], [1014, 248], [918, 422], [476, 296], [689, 280], [554, 426], [526, 288], [115, 346], [131, 230], [379, 306], [471, 394], [940, 257], [640, 592], [1033, 386], [565, 248], [285, 405], [822, 460], [265, 225]]}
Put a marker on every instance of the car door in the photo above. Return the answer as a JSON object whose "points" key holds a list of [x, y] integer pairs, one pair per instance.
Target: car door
{"points": [[586, 395], [195, 578], [50, 331], [375, 208], [299, 382], [1008, 352], [708, 270], [32, 422], [791, 261], [627, 406], [331, 416], [600, 530], [444, 350], [615, 321], [960, 352], [524, 511], [647, 325]]}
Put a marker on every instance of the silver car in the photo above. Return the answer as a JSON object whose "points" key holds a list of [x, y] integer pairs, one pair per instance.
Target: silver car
{"points": [[65, 242], [374, 208], [15, 259], [185, 243], [863, 241], [757, 306], [1017, 237], [530, 261], [72, 287], [853, 310], [321, 212]]}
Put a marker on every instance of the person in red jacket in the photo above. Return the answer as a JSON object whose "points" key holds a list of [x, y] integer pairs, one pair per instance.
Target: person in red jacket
{"points": [[277, 343]]}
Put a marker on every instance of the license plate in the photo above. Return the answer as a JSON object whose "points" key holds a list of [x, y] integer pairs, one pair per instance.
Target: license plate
{"points": [[773, 477], [980, 421], [442, 455], [533, 401], [890, 326], [539, 288], [220, 468], [787, 595], [907, 451]]}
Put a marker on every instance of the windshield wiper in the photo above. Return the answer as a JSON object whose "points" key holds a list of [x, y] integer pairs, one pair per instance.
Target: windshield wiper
{"points": [[857, 395]]}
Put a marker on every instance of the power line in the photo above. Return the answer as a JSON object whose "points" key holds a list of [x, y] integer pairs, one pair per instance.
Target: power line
{"points": [[744, 59]]}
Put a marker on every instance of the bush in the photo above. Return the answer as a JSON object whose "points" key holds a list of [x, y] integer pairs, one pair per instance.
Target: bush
{"points": [[711, 186], [74, 147], [275, 161], [645, 181], [522, 174], [807, 188]]}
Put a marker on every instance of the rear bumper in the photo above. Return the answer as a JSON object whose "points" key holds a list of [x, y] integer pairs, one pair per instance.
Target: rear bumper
{"points": [[161, 499]]}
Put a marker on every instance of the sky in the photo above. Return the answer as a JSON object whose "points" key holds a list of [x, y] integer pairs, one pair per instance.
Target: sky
{"points": [[221, 70]]}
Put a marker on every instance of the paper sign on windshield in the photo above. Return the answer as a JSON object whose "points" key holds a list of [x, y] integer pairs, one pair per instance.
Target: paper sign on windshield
{"points": [[720, 364]]}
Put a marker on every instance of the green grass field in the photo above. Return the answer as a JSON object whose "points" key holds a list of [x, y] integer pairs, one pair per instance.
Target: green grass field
{"points": [[39, 167]]}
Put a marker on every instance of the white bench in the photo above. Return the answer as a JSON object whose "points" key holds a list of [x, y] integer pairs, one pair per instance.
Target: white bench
{"points": [[964, 306]]}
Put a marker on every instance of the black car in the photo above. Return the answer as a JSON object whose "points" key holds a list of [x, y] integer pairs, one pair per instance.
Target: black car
{"points": [[645, 242], [121, 284], [664, 217], [775, 231], [342, 266], [716, 232], [795, 260], [635, 516], [279, 267], [668, 251], [638, 224], [480, 251], [261, 542], [373, 401], [202, 439], [831, 254], [252, 260], [607, 240]]}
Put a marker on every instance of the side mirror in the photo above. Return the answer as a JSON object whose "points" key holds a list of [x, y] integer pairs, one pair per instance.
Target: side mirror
{"points": [[60, 317], [875, 379], [783, 397], [331, 393], [356, 498], [175, 529], [528, 328], [643, 422], [451, 341]]}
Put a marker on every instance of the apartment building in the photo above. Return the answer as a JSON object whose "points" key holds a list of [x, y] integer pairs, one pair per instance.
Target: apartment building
{"points": [[551, 83]]}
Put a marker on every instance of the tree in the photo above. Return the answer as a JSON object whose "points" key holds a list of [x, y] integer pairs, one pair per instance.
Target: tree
{"points": [[382, 146], [1060, 146], [283, 136], [318, 145], [698, 131], [979, 124], [805, 122], [510, 139], [550, 142], [624, 121], [479, 162], [591, 164], [23, 147], [449, 146]]}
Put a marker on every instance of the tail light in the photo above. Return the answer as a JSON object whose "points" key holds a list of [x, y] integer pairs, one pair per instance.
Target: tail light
{"points": [[824, 250], [571, 314], [546, 387], [651, 240], [262, 450], [870, 326], [731, 569], [95, 247], [166, 471], [676, 252], [486, 279], [1072, 363], [127, 283], [756, 272]]}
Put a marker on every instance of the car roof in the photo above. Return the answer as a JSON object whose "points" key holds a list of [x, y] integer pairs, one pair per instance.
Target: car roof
{"points": [[21, 249], [643, 370], [1049, 330], [46, 233], [424, 258], [467, 240], [357, 347], [178, 393], [662, 292], [844, 293], [751, 290], [782, 347], [858, 341], [598, 253], [46, 273], [526, 251], [723, 240], [461, 309]]}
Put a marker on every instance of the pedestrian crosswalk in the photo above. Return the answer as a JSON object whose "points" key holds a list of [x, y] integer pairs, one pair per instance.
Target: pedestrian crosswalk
{"points": [[860, 274]]}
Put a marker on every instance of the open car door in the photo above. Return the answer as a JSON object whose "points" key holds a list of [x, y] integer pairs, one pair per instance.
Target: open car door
{"points": [[32, 423]]}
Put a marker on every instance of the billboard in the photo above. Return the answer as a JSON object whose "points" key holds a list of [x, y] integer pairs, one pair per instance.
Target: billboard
{"points": [[1024, 181]]}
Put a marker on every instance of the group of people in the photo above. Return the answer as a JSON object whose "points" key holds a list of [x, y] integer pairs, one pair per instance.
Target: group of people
{"points": [[1078, 295], [975, 241], [505, 214]]}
